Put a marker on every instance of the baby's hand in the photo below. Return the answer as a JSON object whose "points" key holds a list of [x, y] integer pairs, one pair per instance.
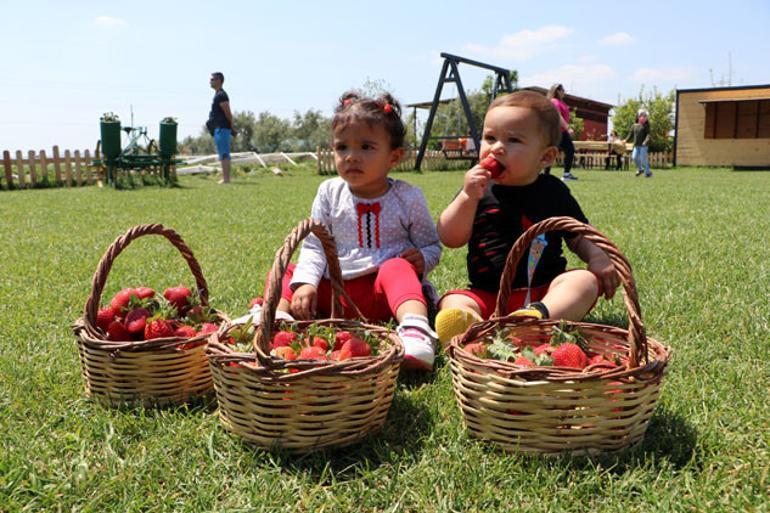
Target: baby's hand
{"points": [[303, 302], [414, 257], [603, 269], [476, 180]]}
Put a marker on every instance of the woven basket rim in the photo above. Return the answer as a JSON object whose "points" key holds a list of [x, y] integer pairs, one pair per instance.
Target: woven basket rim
{"points": [[550, 373], [277, 369], [93, 338], [85, 328]]}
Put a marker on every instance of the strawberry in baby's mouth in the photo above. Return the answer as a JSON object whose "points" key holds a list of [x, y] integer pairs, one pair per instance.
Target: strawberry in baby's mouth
{"points": [[492, 165]]}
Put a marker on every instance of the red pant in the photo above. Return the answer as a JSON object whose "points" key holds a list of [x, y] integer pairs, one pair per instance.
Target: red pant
{"points": [[377, 295]]}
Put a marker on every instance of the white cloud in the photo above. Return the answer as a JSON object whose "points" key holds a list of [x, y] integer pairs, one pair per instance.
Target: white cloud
{"points": [[579, 79], [668, 75], [522, 45], [617, 39], [109, 21]]}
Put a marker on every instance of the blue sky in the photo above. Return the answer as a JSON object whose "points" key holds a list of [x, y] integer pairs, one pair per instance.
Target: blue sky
{"points": [[66, 63]]}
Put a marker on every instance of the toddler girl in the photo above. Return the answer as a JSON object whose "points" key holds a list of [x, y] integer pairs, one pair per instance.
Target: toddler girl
{"points": [[386, 239]]}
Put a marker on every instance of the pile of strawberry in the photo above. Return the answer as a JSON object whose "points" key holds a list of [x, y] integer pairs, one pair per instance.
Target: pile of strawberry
{"points": [[321, 343], [317, 343], [565, 348], [142, 314]]}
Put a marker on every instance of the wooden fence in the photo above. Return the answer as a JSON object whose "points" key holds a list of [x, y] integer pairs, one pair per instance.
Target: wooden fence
{"points": [[586, 158], [432, 161], [73, 168], [598, 160]]}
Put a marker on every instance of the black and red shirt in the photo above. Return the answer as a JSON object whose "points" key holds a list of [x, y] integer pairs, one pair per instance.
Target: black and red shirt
{"points": [[503, 214]]}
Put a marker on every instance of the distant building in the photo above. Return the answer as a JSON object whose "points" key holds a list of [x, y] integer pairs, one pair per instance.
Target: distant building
{"points": [[723, 126], [593, 113]]}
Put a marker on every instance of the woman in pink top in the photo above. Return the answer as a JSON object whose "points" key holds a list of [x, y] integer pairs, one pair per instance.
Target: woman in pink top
{"points": [[556, 95]]}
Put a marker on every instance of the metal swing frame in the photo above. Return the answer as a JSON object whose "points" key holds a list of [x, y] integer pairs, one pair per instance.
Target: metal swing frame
{"points": [[451, 73]]}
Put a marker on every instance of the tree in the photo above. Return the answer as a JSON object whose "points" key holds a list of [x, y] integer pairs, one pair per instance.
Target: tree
{"points": [[311, 130], [271, 134], [660, 106], [244, 121], [450, 118], [203, 144], [576, 124]]}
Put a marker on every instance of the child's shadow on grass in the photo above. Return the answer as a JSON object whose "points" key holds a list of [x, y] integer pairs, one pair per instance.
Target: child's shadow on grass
{"points": [[400, 437], [417, 379]]}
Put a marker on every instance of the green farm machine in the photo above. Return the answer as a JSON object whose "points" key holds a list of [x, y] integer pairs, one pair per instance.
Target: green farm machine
{"points": [[142, 155]]}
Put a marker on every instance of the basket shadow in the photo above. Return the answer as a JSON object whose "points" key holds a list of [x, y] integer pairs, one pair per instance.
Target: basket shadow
{"points": [[399, 438], [669, 442], [670, 438]]}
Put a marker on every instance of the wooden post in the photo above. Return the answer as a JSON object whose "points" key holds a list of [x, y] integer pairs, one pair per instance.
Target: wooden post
{"points": [[68, 168], [88, 168], [43, 166], [20, 169], [57, 164], [7, 166], [78, 177], [32, 169]]}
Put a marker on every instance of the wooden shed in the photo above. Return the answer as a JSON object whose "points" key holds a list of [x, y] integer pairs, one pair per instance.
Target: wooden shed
{"points": [[723, 126], [593, 113]]}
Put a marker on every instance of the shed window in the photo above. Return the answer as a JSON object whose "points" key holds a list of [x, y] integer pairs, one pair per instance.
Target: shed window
{"points": [[745, 119]]}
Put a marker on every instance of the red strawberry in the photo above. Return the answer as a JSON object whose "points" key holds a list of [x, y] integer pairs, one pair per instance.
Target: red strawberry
{"points": [[477, 349], [312, 353], [117, 331], [121, 299], [492, 165], [159, 328], [340, 355], [543, 349], [569, 355], [320, 342], [523, 361], [256, 301], [185, 331], [284, 338], [207, 327], [179, 298], [285, 352], [136, 320], [357, 347], [144, 292], [340, 338], [104, 317]]}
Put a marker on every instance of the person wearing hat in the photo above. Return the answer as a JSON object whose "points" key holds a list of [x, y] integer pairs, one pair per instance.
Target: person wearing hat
{"points": [[640, 135]]}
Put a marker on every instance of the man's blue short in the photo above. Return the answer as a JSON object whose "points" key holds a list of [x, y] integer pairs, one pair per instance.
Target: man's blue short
{"points": [[222, 141]]}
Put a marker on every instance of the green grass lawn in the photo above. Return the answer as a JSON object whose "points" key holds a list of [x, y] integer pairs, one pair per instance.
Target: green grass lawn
{"points": [[698, 240]]}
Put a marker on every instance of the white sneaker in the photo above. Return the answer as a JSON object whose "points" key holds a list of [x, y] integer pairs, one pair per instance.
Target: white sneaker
{"points": [[419, 343]]}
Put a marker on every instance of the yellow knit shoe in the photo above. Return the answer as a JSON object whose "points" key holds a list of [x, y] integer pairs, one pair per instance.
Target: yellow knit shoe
{"points": [[452, 322], [527, 311]]}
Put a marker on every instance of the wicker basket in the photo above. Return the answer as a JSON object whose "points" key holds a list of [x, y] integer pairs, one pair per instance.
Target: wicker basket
{"points": [[303, 405], [154, 372], [557, 409]]}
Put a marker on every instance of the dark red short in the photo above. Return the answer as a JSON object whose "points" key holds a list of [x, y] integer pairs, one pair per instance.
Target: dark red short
{"points": [[487, 300]]}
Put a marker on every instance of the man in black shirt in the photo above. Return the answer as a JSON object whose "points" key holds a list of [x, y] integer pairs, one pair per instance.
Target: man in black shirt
{"points": [[220, 123]]}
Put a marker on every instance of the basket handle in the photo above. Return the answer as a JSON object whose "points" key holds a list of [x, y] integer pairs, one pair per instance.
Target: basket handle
{"points": [[118, 245], [637, 339], [275, 279]]}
